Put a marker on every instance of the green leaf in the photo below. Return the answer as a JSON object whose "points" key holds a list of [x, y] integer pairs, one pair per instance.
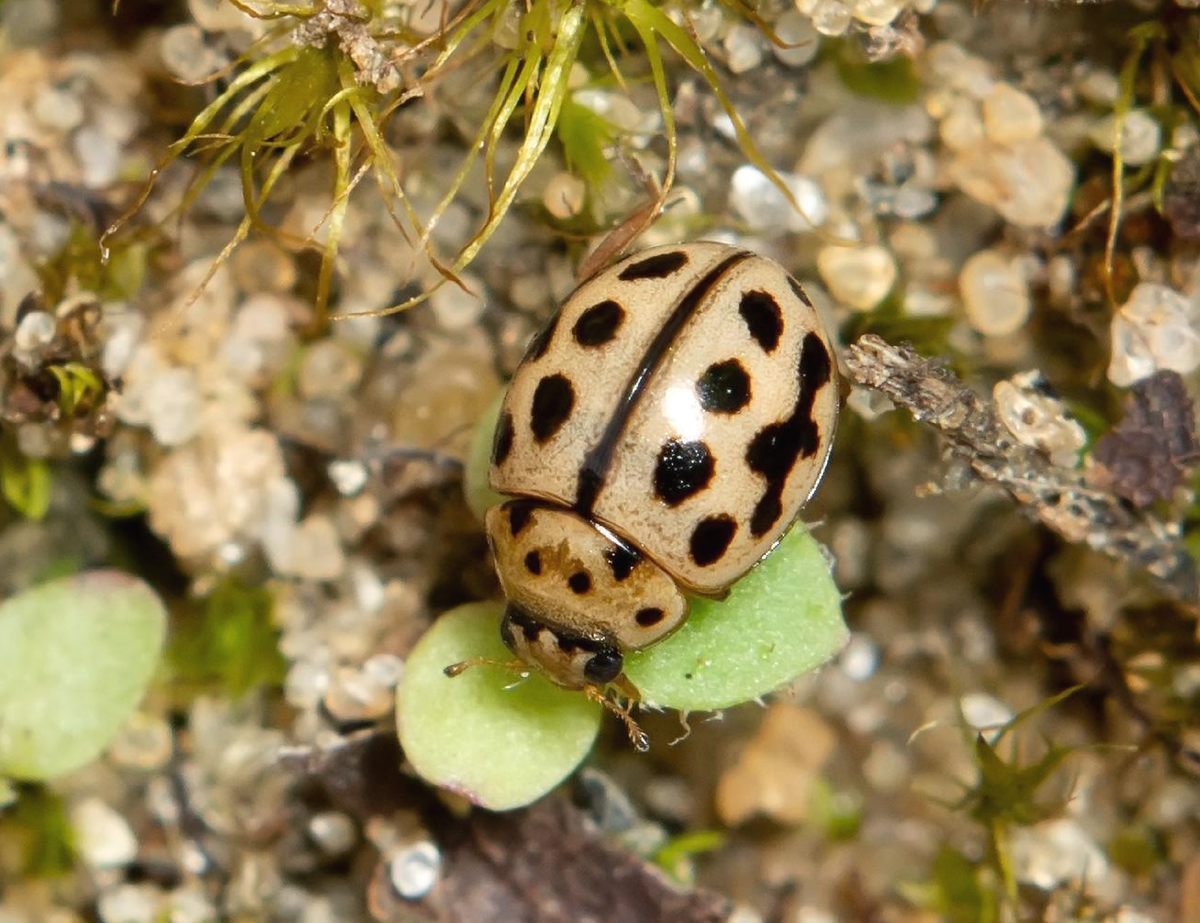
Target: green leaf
{"points": [[76, 655], [476, 490], [497, 739], [780, 621]]}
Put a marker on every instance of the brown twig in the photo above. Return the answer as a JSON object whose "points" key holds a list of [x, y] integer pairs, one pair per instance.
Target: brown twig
{"points": [[1059, 498]]}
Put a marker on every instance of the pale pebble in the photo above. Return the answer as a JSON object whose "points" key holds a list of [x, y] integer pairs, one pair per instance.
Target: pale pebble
{"points": [[858, 277], [995, 295], [1010, 115]]}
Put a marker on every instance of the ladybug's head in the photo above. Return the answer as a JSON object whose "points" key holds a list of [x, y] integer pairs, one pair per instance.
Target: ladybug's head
{"points": [[569, 658]]}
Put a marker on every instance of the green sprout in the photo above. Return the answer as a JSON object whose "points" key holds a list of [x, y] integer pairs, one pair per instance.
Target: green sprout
{"points": [[503, 741], [25, 482], [1012, 792], [80, 389], [305, 88]]}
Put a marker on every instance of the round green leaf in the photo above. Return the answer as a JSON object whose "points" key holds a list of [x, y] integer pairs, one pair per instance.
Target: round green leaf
{"points": [[478, 492], [76, 655], [781, 620], [497, 739]]}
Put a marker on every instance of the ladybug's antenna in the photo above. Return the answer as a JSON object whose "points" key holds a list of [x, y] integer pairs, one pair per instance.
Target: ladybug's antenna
{"points": [[637, 736]]}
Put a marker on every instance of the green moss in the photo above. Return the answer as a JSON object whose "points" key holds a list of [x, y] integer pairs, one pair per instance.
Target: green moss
{"points": [[228, 642], [893, 81], [38, 822]]}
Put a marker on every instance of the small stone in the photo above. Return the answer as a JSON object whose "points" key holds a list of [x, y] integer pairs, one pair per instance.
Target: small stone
{"points": [[1155, 329], [984, 712], [348, 476], [1010, 116], [335, 833], [859, 658], [36, 330], [1038, 419], [312, 550], [187, 55], [995, 294], [1059, 853], [877, 12], [858, 277], [761, 204], [743, 48], [190, 905], [1141, 137], [962, 128], [414, 870], [1028, 183], [331, 369], [831, 17], [130, 903], [1099, 87], [58, 109], [801, 40], [103, 837], [887, 767], [144, 744], [173, 401], [775, 772], [564, 195], [261, 266], [99, 157], [457, 307]]}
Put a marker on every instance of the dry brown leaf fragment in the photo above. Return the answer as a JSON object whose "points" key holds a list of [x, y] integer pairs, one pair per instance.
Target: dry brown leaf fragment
{"points": [[1154, 447], [542, 865]]}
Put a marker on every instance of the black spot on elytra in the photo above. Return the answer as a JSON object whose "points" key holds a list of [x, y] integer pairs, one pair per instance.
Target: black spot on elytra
{"points": [[598, 324], [621, 561], [658, 266], [724, 387], [798, 291], [553, 400], [773, 452], [519, 515], [502, 443], [683, 469], [533, 563], [540, 343], [711, 538], [651, 615], [580, 582], [763, 319]]}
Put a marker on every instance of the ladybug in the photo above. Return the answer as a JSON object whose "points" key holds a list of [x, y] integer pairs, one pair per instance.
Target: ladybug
{"points": [[658, 438]]}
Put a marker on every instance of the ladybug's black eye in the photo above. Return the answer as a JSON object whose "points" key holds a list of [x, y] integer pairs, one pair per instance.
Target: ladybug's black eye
{"points": [[604, 667]]}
